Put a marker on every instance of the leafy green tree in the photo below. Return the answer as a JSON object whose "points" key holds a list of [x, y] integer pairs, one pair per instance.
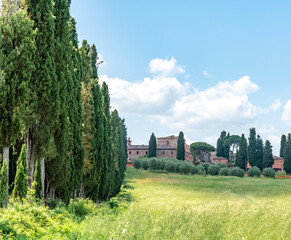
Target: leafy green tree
{"points": [[152, 146], [268, 159], [259, 152], [241, 158], [220, 144], [20, 183], [282, 145], [252, 148], [287, 154], [198, 149], [181, 147], [226, 146], [4, 186], [233, 142], [16, 66]]}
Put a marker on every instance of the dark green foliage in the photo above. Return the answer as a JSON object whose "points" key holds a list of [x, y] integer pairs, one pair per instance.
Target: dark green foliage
{"points": [[170, 166], [185, 168], [236, 172], [223, 172], [268, 159], [93, 60], [154, 164], [198, 149], [137, 163], [282, 145], [252, 148], [144, 163], [3, 185], [221, 165], [269, 172], [259, 152], [205, 165], [254, 172], [233, 141], [226, 147], [152, 146], [201, 170], [220, 145], [181, 147], [37, 184], [241, 158], [194, 169], [213, 170], [20, 183], [287, 155]]}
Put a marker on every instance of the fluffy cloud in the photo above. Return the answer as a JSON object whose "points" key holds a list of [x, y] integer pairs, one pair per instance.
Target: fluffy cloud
{"points": [[286, 115], [276, 105], [181, 106], [165, 67]]}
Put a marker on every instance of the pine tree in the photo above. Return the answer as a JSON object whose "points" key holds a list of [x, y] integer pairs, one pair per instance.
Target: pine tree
{"points": [[259, 152], [20, 183], [37, 183], [287, 155], [16, 67], [152, 146], [282, 145], [241, 158], [44, 107], [268, 159], [181, 147], [4, 186], [252, 146]]}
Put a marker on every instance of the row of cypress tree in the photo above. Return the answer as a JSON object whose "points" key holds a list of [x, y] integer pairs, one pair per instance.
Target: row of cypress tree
{"points": [[285, 151], [51, 101]]}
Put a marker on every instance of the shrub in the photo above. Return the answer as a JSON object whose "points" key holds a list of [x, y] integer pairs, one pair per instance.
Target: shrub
{"points": [[170, 166], [205, 165], [236, 171], [185, 168], [223, 172], [194, 169], [221, 165], [254, 172], [137, 163], [201, 170], [154, 164], [269, 172], [213, 170], [162, 163], [145, 163]]}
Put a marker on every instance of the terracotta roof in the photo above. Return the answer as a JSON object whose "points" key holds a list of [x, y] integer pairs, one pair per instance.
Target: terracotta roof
{"points": [[172, 136]]}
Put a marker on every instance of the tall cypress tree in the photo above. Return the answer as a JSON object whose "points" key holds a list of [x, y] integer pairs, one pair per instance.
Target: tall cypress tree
{"points": [[44, 87], [16, 66], [181, 147], [220, 144], [20, 183], [226, 146], [152, 146], [252, 147], [268, 159], [282, 145], [287, 154], [241, 158], [259, 152]]}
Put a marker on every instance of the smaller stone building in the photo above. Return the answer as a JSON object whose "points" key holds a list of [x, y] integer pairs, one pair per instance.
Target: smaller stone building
{"points": [[278, 165]]}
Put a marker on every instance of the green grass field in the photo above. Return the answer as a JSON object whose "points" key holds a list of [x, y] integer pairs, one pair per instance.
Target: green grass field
{"points": [[171, 206]]}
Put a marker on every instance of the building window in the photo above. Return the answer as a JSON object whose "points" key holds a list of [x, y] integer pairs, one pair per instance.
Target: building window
{"points": [[163, 152], [129, 152], [146, 152], [172, 153], [136, 152]]}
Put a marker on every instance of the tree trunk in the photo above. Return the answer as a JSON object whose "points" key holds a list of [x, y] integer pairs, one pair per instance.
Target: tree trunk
{"points": [[30, 157], [6, 158], [15, 6], [42, 167]]}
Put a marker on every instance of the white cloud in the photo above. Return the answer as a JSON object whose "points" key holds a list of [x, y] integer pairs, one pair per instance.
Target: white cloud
{"points": [[212, 140], [165, 67], [207, 74], [276, 105], [286, 115]]}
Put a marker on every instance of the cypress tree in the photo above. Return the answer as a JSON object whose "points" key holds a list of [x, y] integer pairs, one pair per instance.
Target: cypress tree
{"points": [[241, 158], [252, 148], [37, 183], [20, 183], [282, 145], [226, 146], [4, 186], [44, 87], [15, 72], [220, 144], [287, 155], [268, 159], [259, 152], [152, 146], [181, 147]]}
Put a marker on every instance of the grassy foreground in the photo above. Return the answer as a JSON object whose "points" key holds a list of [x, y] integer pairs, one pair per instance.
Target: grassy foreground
{"points": [[168, 206]]}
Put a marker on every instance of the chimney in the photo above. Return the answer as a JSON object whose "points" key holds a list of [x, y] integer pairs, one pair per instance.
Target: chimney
{"points": [[128, 142]]}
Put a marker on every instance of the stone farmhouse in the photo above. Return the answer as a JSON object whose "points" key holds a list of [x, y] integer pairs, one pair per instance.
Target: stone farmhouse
{"points": [[166, 147]]}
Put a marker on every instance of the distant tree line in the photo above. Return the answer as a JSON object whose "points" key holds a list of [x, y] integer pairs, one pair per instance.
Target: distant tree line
{"points": [[57, 133]]}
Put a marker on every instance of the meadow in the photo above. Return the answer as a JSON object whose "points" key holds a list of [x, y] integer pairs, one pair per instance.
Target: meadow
{"points": [[173, 206]]}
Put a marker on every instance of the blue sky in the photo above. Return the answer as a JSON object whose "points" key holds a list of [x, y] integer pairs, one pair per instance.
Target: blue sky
{"points": [[194, 66]]}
